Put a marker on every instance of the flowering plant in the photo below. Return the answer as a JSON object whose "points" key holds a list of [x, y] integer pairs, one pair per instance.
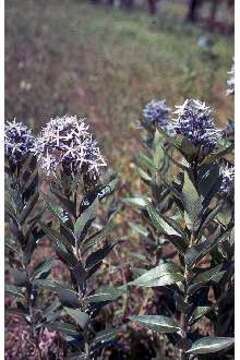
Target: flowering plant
{"points": [[190, 206], [66, 152]]}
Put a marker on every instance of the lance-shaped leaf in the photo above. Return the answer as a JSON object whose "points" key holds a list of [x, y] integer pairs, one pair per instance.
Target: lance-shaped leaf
{"points": [[107, 189], [161, 223], [141, 230], [213, 274], [197, 252], [66, 255], [80, 275], [144, 175], [20, 277], [164, 274], [207, 216], [159, 323], [67, 204], [146, 162], [198, 313], [210, 344], [103, 337], [28, 207], [14, 290], [105, 294], [85, 220], [97, 237], [65, 224], [80, 317], [139, 201], [63, 327], [209, 182], [191, 200], [43, 269], [68, 297], [159, 154], [96, 257]]}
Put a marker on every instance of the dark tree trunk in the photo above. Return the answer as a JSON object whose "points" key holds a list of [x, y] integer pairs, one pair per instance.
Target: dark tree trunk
{"points": [[192, 10], [127, 3], [213, 11], [152, 6]]}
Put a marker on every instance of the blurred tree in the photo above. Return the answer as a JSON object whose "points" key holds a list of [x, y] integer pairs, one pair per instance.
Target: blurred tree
{"points": [[127, 3], [152, 6], [192, 10]]}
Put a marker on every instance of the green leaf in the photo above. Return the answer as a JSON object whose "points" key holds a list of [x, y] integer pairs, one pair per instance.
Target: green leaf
{"points": [[159, 323], [68, 298], [64, 327], [144, 175], [210, 344], [104, 336], [145, 162], [197, 252], [191, 200], [139, 229], [86, 218], [105, 294], [20, 277], [13, 290], [108, 189], [28, 207], [80, 275], [208, 216], [65, 255], [57, 212], [138, 201], [158, 155], [209, 182], [164, 274], [67, 204], [160, 222], [97, 237], [77, 315], [198, 313], [97, 256], [43, 269], [210, 275]]}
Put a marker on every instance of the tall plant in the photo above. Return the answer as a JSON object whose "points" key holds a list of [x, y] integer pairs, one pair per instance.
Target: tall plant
{"points": [[70, 157], [199, 225], [23, 232]]}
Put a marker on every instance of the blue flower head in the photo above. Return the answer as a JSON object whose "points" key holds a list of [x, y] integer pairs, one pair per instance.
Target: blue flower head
{"points": [[195, 122], [19, 142], [65, 144], [157, 112]]}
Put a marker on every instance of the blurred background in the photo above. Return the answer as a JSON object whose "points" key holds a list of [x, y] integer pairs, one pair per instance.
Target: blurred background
{"points": [[105, 59]]}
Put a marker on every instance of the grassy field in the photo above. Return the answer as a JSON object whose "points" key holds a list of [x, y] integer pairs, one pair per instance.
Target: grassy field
{"points": [[73, 57]]}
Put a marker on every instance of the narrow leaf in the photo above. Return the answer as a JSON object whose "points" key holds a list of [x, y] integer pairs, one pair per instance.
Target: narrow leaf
{"points": [[77, 315], [210, 344], [159, 323], [162, 275]]}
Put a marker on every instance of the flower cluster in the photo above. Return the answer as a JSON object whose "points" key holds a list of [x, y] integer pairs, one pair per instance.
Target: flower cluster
{"points": [[195, 122], [157, 113], [19, 142], [227, 174], [231, 82], [65, 144]]}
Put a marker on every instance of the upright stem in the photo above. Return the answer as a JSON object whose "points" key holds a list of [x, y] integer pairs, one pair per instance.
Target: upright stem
{"points": [[187, 277]]}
